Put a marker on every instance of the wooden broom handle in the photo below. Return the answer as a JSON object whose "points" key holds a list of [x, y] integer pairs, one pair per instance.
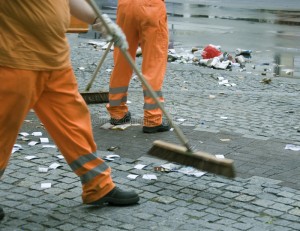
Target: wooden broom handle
{"points": [[88, 87], [177, 130]]}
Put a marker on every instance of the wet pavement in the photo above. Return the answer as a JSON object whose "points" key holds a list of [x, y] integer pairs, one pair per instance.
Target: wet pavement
{"points": [[250, 121]]}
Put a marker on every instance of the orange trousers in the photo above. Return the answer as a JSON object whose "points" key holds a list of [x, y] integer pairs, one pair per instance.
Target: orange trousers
{"points": [[55, 99], [144, 23]]}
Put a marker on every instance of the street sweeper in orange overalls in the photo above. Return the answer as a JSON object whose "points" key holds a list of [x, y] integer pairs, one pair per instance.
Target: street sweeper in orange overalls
{"points": [[36, 73], [144, 23]]}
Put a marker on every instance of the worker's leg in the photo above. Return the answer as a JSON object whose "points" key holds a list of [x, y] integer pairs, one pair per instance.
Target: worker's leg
{"points": [[18, 93], [122, 72], [66, 117], [154, 44]]}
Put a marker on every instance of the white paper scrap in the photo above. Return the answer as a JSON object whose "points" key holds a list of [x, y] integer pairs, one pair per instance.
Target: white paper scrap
{"points": [[44, 140], [292, 147], [32, 143], [107, 126], [132, 176], [149, 177], [31, 157], [140, 166], [43, 169], [181, 120], [54, 165], [45, 185], [224, 117], [37, 134], [225, 140], [24, 134], [121, 127], [49, 146], [219, 156], [171, 166]]}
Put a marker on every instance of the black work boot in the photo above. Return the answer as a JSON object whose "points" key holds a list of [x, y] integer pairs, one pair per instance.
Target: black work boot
{"points": [[124, 120], [164, 127], [1, 213], [118, 197]]}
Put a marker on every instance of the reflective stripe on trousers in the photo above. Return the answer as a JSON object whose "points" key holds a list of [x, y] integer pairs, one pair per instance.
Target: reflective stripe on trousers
{"points": [[144, 23], [56, 101]]}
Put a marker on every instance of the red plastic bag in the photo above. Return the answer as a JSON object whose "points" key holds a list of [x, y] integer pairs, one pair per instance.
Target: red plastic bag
{"points": [[210, 52]]}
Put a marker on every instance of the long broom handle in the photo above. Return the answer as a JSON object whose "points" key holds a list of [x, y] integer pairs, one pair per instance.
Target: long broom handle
{"points": [[177, 130], [88, 87]]}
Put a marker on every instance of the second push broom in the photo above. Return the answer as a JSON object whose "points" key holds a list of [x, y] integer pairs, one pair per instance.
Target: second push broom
{"points": [[172, 152]]}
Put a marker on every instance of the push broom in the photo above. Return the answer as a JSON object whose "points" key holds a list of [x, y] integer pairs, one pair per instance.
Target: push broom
{"points": [[96, 97], [172, 152]]}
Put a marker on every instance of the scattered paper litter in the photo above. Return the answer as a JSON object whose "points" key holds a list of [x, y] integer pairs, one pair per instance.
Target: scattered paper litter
{"points": [[191, 171], [149, 177], [37, 133], [44, 140], [132, 176], [224, 117], [43, 169], [220, 156], [54, 166], [60, 156], [171, 166], [292, 147], [31, 157], [16, 148], [24, 134], [45, 185], [140, 166]]}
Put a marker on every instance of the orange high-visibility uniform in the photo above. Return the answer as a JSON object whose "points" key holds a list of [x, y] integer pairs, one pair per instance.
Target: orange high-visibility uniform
{"points": [[144, 22], [35, 72]]}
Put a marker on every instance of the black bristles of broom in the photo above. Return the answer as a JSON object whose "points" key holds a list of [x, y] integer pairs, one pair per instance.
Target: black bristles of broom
{"points": [[200, 160]]}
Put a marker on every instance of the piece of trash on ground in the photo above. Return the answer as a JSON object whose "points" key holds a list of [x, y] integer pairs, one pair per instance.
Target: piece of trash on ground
{"points": [[113, 148], [31, 157], [44, 140], [121, 127], [191, 171], [107, 126], [149, 177], [132, 176], [32, 143], [60, 157], [111, 157], [220, 156], [54, 166], [37, 133], [140, 166], [43, 169], [49, 146], [225, 140], [24, 134], [45, 185], [292, 147], [161, 169]]}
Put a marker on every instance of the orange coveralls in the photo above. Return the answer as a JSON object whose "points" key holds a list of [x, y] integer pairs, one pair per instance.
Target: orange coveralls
{"points": [[35, 72], [144, 22]]}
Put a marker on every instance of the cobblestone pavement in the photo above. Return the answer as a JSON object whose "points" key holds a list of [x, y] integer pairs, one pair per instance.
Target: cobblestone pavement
{"points": [[256, 119]]}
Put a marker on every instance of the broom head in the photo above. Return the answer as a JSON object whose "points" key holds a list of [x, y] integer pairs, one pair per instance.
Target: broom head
{"points": [[200, 160], [95, 97]]}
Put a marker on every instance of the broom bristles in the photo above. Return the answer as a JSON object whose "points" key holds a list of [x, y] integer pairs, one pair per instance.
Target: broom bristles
{"points": [[95, 97], [200, 160]]}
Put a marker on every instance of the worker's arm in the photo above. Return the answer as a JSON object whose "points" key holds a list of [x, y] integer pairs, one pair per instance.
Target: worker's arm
{"points": [[83, 11]]}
